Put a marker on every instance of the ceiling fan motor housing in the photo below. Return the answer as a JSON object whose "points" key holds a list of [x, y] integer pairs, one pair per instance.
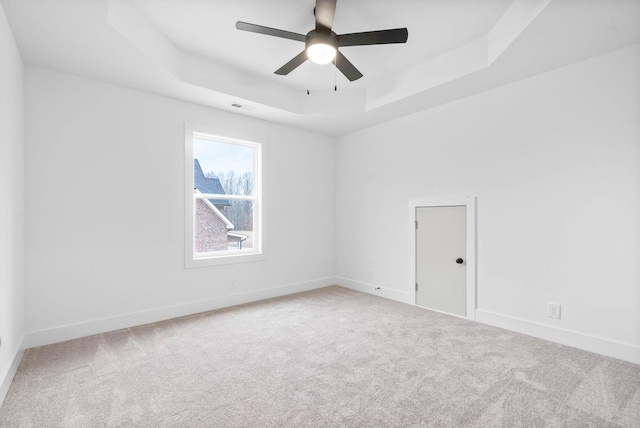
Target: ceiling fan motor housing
{"points": [[314, 36]]}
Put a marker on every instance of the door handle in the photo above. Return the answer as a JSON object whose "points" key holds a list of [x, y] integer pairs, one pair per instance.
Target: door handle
{"points": [[459, 261]]}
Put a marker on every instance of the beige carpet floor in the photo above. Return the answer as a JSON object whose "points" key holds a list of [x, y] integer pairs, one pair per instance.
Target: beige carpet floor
{"points": [[326, 358]]}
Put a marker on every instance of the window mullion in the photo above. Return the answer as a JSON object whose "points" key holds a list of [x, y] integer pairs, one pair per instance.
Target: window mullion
{"points": [[222, 196]]}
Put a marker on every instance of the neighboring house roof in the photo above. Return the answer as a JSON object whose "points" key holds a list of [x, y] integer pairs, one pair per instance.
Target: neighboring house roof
{"points": [[208, 185], [217, 212]]}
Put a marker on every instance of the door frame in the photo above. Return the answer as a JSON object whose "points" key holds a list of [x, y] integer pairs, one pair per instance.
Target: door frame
{"points": [[470, 257]]}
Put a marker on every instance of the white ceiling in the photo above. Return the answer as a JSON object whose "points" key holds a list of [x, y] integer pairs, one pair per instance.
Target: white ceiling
{"points": [[190, 50]]}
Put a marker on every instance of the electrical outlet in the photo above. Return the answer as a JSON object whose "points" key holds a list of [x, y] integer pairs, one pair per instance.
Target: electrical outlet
{"points": [[232, 284], [553, 310], [370, 275]]}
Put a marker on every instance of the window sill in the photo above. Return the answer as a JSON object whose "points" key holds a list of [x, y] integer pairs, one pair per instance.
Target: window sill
{"points": [[226, 259]]}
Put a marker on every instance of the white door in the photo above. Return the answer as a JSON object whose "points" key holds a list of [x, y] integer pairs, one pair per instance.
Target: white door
{"points": [[440, 253]]}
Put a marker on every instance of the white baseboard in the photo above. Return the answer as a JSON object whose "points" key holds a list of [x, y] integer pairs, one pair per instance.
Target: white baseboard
{"points": [[7, 377], [599, 345], [623, 351], [364, 287], [103, 325]]}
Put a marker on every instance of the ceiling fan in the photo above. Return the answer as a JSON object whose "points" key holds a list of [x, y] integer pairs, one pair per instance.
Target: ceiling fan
{"points": [[322, 44]]}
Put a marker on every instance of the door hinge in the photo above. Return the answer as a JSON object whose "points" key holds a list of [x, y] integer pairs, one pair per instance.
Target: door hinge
{"points": [[416, 286], [416, 222]]}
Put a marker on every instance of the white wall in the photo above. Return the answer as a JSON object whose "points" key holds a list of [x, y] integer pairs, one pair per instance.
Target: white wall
{"points": [[105, 191], [554, 161], [11, 202]]}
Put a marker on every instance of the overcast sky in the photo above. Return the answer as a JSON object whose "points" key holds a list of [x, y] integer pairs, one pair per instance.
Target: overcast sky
{"points": [[222, 158]]}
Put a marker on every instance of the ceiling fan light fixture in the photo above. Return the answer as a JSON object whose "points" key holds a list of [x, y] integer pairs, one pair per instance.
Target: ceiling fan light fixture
{"points": [[321, 53], [321, 47]]}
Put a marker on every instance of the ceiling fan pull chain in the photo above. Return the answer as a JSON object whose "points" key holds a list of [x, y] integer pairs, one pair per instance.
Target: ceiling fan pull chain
{"points": [[308, 76], [335, 75]]}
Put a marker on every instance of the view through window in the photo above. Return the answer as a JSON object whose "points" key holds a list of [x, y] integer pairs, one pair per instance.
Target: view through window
{"points": [[225, 210]]}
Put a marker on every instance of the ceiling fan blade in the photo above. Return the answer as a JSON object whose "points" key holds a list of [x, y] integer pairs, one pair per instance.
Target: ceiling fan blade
{"points": [[293, 64], [325, 10], [346, 67], [382, 37], [253, 28]]}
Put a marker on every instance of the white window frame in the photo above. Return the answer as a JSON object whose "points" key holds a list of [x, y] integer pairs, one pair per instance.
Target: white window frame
{"points": [[258, 252]]}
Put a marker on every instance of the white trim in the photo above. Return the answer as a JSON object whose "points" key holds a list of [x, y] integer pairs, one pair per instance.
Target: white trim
{"points": [[201, 195], [259, 250], [214, 136], [442, 312], [88, 328], [7, 377], [229, 257], [470, 259], [587, 342], [364, 287]]}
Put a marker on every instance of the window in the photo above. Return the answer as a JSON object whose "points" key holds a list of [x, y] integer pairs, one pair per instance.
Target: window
{"points": [[223, 199]]}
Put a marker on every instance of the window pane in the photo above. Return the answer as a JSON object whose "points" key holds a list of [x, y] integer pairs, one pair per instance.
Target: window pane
{"points": [[241, 237], [231, 164], [240, 213], [223, 168], [229, 228]]}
